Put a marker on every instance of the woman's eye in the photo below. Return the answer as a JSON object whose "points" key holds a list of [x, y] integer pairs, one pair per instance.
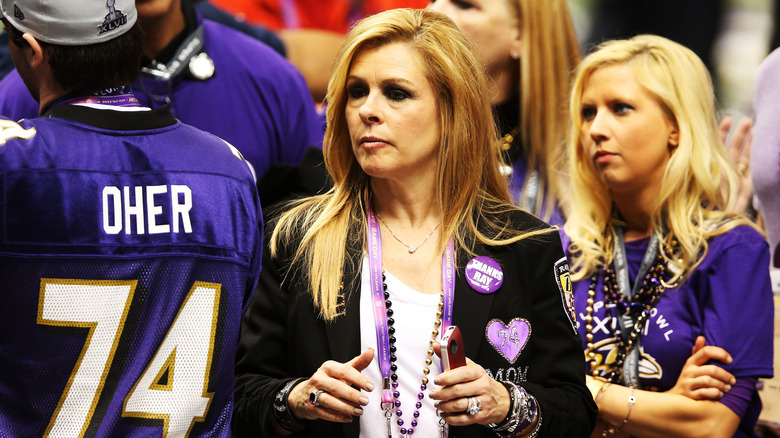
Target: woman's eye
{"points": [[461, 4], [620, 108], [396, 94], [588, 113], [357, 91]]}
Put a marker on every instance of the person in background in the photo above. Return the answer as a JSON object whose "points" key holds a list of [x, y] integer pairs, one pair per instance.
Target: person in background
{"points": [[126, 258], [529, 49], [213, 13], [417, 234], [660, 266], [764, 163], [216, 79]]}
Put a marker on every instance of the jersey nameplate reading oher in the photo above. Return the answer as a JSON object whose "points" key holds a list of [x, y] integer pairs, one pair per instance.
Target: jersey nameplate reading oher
{"points": [[144, 209]]}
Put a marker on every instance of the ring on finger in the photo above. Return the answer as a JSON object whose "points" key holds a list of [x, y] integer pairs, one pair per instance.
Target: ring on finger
{"points": [[475, 405], [741, 168], [314, 397]]}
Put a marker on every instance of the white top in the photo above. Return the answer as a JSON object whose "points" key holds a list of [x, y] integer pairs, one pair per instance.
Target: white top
{"points": [[414, 314]]}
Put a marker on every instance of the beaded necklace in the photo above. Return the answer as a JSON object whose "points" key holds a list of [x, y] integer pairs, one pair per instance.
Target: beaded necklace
{"points": [[384, 321], [408, 431], [638, 307]]}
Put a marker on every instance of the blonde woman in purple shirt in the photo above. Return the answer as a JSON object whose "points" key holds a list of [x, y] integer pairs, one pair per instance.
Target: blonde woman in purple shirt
{"points": [[660, 265]]}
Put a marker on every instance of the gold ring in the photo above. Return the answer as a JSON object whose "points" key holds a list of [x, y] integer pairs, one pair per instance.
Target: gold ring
{"points": [[741, 168]]}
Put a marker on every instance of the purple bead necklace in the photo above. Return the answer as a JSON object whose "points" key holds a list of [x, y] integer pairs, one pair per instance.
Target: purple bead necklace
{"points": [[384, 321]]}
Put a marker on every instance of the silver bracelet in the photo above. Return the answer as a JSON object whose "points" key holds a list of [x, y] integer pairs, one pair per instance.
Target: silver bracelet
{"points": [[509, 423], [523, 412]]}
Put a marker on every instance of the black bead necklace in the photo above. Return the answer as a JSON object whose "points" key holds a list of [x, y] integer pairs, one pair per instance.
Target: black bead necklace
{"points": [[638, 307]]}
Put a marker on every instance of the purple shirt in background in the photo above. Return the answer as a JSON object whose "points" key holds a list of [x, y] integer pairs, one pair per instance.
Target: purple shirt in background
{"points": [[765, 152], [727, 299], [519, 171], [257, 101]]}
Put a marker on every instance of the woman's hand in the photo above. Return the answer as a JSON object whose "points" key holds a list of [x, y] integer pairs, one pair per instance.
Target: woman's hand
{"points": [[460, 384], [738, 150], [699, 381], [338, 401]]}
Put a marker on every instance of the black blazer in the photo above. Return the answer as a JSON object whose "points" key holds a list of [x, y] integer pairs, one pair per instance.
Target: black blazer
{"points": [[282, 338]]}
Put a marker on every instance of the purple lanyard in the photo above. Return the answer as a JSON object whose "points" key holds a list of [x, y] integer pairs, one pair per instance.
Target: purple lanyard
{"points": [[378, 298]]}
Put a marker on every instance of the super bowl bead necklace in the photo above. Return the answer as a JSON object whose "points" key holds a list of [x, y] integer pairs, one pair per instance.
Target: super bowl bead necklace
{"points": [[384, 321], [633, 307]]}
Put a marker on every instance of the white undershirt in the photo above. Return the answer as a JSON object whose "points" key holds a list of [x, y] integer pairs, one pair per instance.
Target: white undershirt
{"points": [[414, 314]]}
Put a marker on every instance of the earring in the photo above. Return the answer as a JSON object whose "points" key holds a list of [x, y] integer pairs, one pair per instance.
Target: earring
{"points": [[514, 55]]}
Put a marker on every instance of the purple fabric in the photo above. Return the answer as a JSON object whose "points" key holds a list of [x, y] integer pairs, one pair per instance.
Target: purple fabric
{"points": [[520, 169], [727, 299], [257, 101], [744, 400], [765, 152]]}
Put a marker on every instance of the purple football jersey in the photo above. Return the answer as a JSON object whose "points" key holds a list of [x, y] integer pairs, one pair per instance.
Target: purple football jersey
{"points": [[128, 251]]}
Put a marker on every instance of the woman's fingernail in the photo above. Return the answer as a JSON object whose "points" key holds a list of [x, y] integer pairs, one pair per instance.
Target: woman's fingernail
{"points": [[357, 411], [363, 401], [733, 381], [369, 386], [728, 388], [437, 381]]}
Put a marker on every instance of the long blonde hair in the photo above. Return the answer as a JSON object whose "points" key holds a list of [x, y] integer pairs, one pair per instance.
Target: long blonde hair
{"points": [[471, 193], [699, 183], [548, 57]]}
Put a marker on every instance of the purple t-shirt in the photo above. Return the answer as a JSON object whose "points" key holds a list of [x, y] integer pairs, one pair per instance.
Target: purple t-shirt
{"points": [[727, 299], [257, 101]]}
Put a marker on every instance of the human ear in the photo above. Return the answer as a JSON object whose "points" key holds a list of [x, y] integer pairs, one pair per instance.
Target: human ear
{"points": [[516, 47], [36, 52], [674, 139]]}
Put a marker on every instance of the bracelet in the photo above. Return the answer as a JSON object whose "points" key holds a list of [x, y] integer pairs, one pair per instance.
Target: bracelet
{"points": [[282, 413], [631, 402], [523, 412], [612, 430], [602, 391], [514, 409]]}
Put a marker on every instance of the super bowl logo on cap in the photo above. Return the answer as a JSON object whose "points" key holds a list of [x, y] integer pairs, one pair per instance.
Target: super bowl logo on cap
{"points": [[113, 20], [484, 275], [564, 285]]}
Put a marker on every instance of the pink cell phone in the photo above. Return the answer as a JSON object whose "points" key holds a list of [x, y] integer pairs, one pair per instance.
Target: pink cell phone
{"points": [[453, 354]]}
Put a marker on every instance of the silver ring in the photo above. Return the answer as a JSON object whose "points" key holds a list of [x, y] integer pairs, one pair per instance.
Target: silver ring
{"points": [[314, 397], [475, 405]]}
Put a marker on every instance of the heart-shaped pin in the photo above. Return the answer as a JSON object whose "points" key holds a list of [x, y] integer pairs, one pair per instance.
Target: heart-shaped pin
{"points": [[509, 339]]}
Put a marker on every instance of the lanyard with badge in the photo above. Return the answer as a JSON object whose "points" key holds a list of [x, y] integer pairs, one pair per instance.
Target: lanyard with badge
{"points": [[190, 56], [625, 319]]}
